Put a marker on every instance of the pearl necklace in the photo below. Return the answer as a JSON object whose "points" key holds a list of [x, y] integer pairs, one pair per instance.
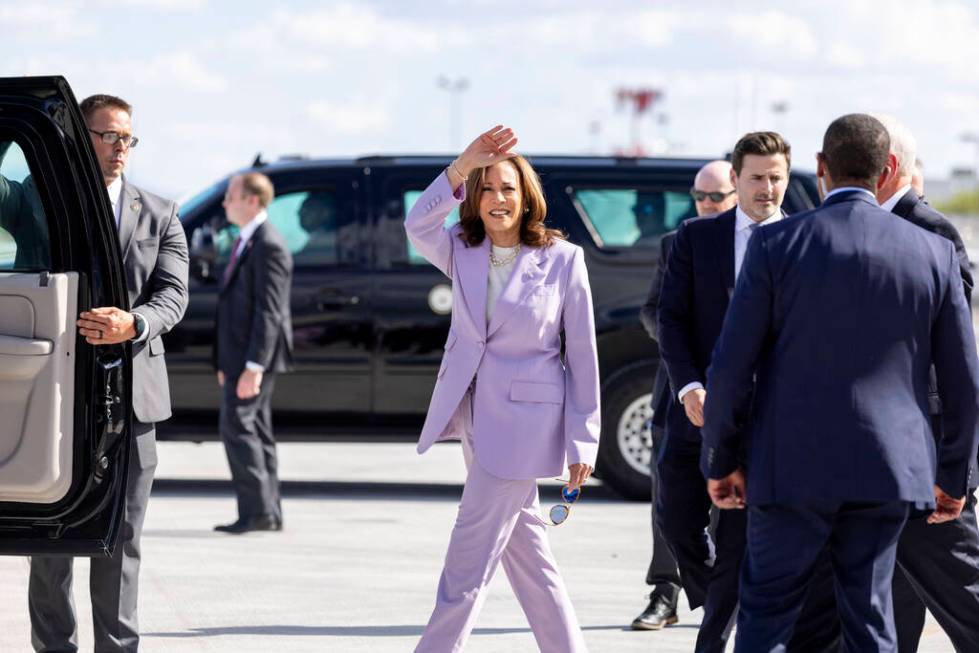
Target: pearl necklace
{"points": [[500, 261]]}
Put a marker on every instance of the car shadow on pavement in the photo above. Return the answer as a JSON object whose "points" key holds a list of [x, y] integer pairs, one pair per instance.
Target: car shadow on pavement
{"points": [[367, 490], [343, 631]]}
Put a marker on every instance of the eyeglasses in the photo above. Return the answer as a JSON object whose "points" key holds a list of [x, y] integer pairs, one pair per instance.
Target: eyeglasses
{"points": [[716, 196], [111, 138], [559, 513]]}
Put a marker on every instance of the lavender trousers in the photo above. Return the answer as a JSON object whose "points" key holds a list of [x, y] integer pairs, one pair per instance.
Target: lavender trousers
{"points": [[499, 522]]}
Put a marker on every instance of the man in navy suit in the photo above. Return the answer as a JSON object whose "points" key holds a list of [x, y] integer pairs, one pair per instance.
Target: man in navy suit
{"points": [[703, 264], [712, 192], [836, 319], [937, 564]]}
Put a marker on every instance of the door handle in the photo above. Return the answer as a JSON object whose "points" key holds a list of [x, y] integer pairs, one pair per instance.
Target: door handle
{"points": [[334, 299]]}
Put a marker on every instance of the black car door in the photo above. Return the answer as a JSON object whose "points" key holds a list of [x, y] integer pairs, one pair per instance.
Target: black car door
{"points": [[317, 212], [64, 405], [412, 299]]}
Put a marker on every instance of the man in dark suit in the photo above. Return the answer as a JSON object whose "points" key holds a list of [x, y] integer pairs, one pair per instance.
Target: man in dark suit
{"points": [[154, 254], [836, 317], [937, 564], [712, 193], [253, 344], [704, 261]]}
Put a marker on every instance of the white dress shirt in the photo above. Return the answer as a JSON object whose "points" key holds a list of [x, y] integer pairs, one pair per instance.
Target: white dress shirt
{"points": [[115, 192], [847, 189], [742, 232], [246, 234], [115, 195], [249, 230], [892, 201]]}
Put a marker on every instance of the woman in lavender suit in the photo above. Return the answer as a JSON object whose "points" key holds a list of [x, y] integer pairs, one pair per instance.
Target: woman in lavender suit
{"points": [[521, 412]]}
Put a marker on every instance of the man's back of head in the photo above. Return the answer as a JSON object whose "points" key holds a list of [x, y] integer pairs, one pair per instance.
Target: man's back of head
{"points": [[855, 149]]}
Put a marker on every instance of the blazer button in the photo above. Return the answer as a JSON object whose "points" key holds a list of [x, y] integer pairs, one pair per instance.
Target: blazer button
{"points": [[481, 344]]}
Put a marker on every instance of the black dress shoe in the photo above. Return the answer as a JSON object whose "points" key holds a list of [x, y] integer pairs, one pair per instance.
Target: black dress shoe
{"points": [[244, 525], [661, 610]]}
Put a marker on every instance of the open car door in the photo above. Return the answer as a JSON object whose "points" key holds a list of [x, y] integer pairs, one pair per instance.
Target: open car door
{"points": [[64, 404]]}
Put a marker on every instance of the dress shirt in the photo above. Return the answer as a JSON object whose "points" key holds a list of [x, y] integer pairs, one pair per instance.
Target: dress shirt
{"points": [[744, 227], [115, 194], [246, 233], [847, 189], [892, 201]]}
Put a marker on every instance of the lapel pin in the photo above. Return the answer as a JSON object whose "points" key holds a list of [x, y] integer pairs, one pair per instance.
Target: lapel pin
{"points": [[135, 205]]}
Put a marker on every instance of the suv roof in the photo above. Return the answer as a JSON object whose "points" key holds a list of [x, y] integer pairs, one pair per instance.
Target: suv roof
{"points": [[293, 162]]}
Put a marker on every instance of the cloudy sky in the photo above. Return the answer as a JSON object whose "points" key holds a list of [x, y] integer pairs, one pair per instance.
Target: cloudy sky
{"points": [[212, 87]]}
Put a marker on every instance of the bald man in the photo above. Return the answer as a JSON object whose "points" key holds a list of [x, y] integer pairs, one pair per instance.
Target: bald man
{"points": [[712, 193], [712, 190]]}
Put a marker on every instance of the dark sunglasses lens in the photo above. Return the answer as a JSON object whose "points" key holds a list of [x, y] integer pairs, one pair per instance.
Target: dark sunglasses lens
{"points": [[698, 195], [559, 514], [570, 495], [716, 197]]}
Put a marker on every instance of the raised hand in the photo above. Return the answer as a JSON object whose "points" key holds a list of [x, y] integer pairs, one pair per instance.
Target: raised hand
{"points": [[492, 146]]}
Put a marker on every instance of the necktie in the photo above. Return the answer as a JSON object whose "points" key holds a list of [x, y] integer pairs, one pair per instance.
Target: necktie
{"points": [[752, 228], [231, 261]]}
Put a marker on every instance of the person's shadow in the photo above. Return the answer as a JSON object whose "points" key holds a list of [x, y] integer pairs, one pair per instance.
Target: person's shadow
{"points": [[341, 631]]}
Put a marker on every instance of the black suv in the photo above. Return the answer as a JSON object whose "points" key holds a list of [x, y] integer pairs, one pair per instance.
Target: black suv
{"points": [[370, 315]]}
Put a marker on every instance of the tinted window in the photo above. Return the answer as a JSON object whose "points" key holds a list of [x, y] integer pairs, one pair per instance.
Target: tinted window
{"points": [[315, 231], [410, 197], [25, 244], [632, 217]]}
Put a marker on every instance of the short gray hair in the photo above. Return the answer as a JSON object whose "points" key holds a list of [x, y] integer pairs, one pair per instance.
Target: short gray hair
{"points": [[903, 144]]}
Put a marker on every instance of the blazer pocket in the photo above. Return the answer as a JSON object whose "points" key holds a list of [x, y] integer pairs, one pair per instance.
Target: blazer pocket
{"points": [[147, 242], [156, 346], [541, 393]]}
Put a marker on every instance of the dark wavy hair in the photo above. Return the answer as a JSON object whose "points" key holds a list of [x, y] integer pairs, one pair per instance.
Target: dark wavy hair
{"points": [[533, 232]]}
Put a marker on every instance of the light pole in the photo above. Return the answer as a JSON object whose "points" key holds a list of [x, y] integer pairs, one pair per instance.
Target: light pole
{"points": [[779, 109], [455, 88], [973, 139]]}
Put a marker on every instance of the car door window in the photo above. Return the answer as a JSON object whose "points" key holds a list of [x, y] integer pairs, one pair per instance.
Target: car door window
{"points": [[631, 217], [316, 231], [409, 199], [24, 239]]}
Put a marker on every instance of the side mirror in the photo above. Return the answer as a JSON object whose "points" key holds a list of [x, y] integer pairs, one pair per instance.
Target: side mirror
{"points": [[203, 253]]}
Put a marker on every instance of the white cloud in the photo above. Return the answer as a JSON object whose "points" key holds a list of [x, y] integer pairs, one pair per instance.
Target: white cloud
{"points": [[49, 19], [775, 33], [163, 5], [349, 117]]}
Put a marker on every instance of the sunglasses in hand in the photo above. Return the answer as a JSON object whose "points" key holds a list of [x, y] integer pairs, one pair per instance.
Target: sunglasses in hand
{"points": [[559, 513]]}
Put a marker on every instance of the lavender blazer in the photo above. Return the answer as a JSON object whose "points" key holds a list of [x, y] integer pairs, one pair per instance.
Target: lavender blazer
{"points": [[532, 412]]}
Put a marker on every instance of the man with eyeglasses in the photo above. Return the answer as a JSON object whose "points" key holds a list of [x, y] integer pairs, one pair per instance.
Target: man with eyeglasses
{"points": [[154, 253]]}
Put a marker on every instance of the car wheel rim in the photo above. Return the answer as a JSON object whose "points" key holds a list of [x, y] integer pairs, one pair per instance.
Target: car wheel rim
{"points": [[635, 436]]}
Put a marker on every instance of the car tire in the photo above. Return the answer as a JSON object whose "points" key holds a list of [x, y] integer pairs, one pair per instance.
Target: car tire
{"points": [[625, 450]]}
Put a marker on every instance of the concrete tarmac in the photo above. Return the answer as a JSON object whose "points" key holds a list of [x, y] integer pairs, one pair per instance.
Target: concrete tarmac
{"points": [[356, 568]]}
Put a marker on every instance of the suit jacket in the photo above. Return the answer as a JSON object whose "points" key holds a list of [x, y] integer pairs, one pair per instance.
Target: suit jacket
{"points": [[647, 315], [254, 319], [696, 288], [839, 313], [532, 411], [154, 255], [918, 212]]}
